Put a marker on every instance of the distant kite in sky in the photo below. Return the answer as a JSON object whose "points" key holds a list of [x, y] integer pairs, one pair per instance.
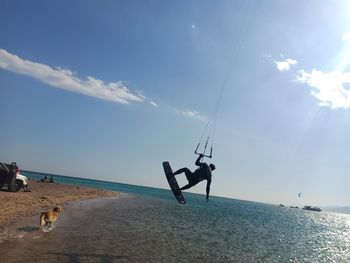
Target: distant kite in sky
{"points": [[300, 194]]}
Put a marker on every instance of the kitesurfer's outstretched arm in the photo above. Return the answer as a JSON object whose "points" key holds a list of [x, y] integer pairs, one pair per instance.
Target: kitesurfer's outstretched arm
{"points": [[198, 161], [208, 189]]}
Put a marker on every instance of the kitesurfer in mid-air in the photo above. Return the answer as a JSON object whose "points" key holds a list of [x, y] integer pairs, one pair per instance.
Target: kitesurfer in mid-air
{"points": [[202, 173]]}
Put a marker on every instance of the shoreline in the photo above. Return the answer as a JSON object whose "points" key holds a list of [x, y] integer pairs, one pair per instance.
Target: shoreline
{"points": [[14, 207]]}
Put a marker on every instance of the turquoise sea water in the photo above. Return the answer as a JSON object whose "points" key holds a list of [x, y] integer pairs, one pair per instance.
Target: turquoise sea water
{"points": [[147, 225]]}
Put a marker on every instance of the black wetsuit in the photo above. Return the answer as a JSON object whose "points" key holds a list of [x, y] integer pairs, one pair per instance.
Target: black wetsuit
{"points": [[202, 173]]}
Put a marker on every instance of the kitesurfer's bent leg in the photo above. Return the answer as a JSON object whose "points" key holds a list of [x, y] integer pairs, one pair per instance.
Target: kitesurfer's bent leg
{"points": [[186, 187], [185, 170], [189, 176]]}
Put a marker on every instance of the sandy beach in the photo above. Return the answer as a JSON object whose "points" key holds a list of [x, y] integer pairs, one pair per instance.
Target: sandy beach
{"points": [[44, 196]]}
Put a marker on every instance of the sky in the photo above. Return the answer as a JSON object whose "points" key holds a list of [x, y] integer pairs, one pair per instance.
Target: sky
{"points": [[109, 90]]}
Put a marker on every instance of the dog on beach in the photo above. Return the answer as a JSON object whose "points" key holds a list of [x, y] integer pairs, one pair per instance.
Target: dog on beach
{"points": [[49, 217]]}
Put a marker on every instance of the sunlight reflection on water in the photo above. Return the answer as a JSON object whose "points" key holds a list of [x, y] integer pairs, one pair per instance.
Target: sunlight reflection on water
{"points": [[134, 229]]}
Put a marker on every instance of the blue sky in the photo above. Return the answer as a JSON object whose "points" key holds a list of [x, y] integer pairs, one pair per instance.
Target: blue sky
{"points": [[110, 89]]}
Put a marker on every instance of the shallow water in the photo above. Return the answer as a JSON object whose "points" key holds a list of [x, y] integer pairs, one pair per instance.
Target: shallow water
{"points": [[141, 229]]}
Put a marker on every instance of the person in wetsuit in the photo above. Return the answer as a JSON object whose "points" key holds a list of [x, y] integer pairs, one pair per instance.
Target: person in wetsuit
{"points": [[200, 174]]}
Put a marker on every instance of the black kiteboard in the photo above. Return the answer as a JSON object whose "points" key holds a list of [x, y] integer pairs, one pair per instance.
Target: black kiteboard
{"points": [[173, 183]]}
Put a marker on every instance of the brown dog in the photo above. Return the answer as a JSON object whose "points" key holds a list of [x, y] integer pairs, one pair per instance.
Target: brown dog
{"points": [[49, 217]]}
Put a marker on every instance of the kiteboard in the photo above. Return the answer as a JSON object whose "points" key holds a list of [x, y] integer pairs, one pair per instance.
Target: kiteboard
{"points": [[173, 183]]}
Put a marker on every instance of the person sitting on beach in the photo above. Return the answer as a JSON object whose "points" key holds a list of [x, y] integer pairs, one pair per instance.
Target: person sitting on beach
{"points": [[51, 180], [200, 174], [44, 179]]}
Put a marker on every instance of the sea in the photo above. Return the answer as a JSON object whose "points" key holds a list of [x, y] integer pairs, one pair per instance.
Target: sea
{"points": [[148, 225]]}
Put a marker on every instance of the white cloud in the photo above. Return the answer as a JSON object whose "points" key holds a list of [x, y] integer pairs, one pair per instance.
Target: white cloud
{"points": [[67, 80], [144, 98], [191, 114], [328, 88], [286, 64], [346, 37], [140, 94], [194, 28], [153, 104]]}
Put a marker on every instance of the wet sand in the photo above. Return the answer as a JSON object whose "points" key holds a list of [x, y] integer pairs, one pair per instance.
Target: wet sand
{"points": [[14, 207]]}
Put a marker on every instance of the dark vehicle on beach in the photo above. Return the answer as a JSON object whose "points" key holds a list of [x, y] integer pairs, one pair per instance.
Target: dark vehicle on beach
{"points": [[8, 177]]}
